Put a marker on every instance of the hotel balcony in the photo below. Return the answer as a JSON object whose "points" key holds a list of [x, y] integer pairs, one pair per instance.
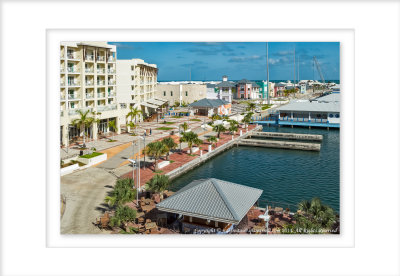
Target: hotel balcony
{"points": [[89, 58], [74, 84], [72, 56], [62, 98], [111, 59], [111, 82], [89, 96], [89, 71], [107, 107], [75, 110], [62, 70], [73, 97], [101, 58], [89, 83], [101, 95], [101, 71], [72, 70], [110, 71], [62, 113], [100, 82], [62, 83], [111, 94]]}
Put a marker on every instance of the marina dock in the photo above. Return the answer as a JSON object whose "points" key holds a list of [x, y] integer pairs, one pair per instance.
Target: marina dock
{"points": [[288, 136], [279, 144]]}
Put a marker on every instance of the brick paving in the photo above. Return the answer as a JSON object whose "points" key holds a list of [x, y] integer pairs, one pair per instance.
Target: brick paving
{"points": [[180, 158]]}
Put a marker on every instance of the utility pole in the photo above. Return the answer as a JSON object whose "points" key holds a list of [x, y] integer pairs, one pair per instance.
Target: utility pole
{"points": [[294, 66]]}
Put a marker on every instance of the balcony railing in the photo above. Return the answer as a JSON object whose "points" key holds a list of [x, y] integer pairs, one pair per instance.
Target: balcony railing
{"points": [[101, 95], [71, 56], [62, 83], [62, 97], [72, 96], [89, 96], [111, 94], [100, 82], [107, 107], [101, 71], [89, 71], [89, 58], [111, 82], [89, 83], [75, 111], [111, 71], [111, 59], [62, 113], [72, 70], [100, 58], [74, 83], [62, 70]]}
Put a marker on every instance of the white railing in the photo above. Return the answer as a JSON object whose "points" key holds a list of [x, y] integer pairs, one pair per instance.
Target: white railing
{"points": [[75, 110], [89, 58], [100, 82], [62, 70], [111, 59], [72, 96], [89, 83], [111, 71], [111, 82], [62, 98], [101, 71], [100, 58], [71, 56], [74, 83], [62, 83], [101, 95], [72, 70], [88, 70], [111, 94], [107, 107], [89, 96]]}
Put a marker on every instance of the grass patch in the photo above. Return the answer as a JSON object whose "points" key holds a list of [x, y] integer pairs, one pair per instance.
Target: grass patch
{"points": [[177, 116], [72, 162], [168, 123], [195, 120], [159, 171], [266, 106], [111, 140], [192, 155], [93, 154], [171, 161], [165, 128]]}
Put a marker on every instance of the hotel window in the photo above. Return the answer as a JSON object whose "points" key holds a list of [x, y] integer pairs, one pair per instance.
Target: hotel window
{"points": [[186, 93], [165, 93], [172, 93]]}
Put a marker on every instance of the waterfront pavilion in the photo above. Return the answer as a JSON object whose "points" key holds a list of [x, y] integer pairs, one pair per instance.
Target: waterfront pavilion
{"points": [[211, 205]]}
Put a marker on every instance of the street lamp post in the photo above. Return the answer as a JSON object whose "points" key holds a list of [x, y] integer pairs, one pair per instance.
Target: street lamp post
{"points": [[180, 143], [144, 154], [133, 179]]}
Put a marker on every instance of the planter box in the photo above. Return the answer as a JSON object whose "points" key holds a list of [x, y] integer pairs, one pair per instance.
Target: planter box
{"points": [[163, 164], [69, 169], [94, 160]]}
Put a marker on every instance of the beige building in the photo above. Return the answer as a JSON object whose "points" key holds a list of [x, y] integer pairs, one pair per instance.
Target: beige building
{"points": [[181, 93], [136, 83], [88, 82]]}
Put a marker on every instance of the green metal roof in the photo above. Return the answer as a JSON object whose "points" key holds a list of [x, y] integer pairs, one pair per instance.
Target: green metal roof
{"points": [[210, 103], [212, 199]]}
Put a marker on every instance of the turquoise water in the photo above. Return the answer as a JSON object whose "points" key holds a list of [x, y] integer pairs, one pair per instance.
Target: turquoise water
{"points": [[285, 176]]}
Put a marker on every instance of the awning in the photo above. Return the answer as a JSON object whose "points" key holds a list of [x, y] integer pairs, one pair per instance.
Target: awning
{"points": [[157, 102], [149, 105]]}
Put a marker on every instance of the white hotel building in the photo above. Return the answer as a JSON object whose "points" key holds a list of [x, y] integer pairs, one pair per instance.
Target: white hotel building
{"points": [[88, 82], [137, 84]]}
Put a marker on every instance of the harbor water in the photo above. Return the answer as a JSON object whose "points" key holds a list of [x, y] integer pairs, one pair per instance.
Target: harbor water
{"points": [[286, 176]]}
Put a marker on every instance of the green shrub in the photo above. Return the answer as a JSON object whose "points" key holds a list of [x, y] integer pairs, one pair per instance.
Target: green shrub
{"points": [[93, 154]]}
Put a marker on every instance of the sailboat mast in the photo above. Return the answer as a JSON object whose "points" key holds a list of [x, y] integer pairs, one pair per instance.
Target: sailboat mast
{"points": [[267, 76]]}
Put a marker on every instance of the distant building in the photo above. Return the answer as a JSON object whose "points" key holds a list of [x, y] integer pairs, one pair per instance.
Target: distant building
{"points": [[264, 87], [212, 92], [279, 89], [247, 89], [208, 107], [225, 89], [181, 94], [325, 109], [210, 205]]}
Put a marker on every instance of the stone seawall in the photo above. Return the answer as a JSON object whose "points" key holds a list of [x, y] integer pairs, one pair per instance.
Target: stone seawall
{"points": [[289, 136], [280, 144]]}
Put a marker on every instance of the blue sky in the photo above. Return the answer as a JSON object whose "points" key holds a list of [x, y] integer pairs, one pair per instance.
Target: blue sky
{"points": [[212, 60]]}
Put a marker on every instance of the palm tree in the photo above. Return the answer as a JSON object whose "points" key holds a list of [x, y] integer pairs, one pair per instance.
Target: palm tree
{"points": [[133, 113], [131, 125], [158, 184], [170, 144], [156, 150], [219, 128], [184, 126], [251, 106], [122, 192], [122, 215], [233, 129], [84, 121], [190, 138], [212, 140], [247, 119], [215, 117], [111, 124]]}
